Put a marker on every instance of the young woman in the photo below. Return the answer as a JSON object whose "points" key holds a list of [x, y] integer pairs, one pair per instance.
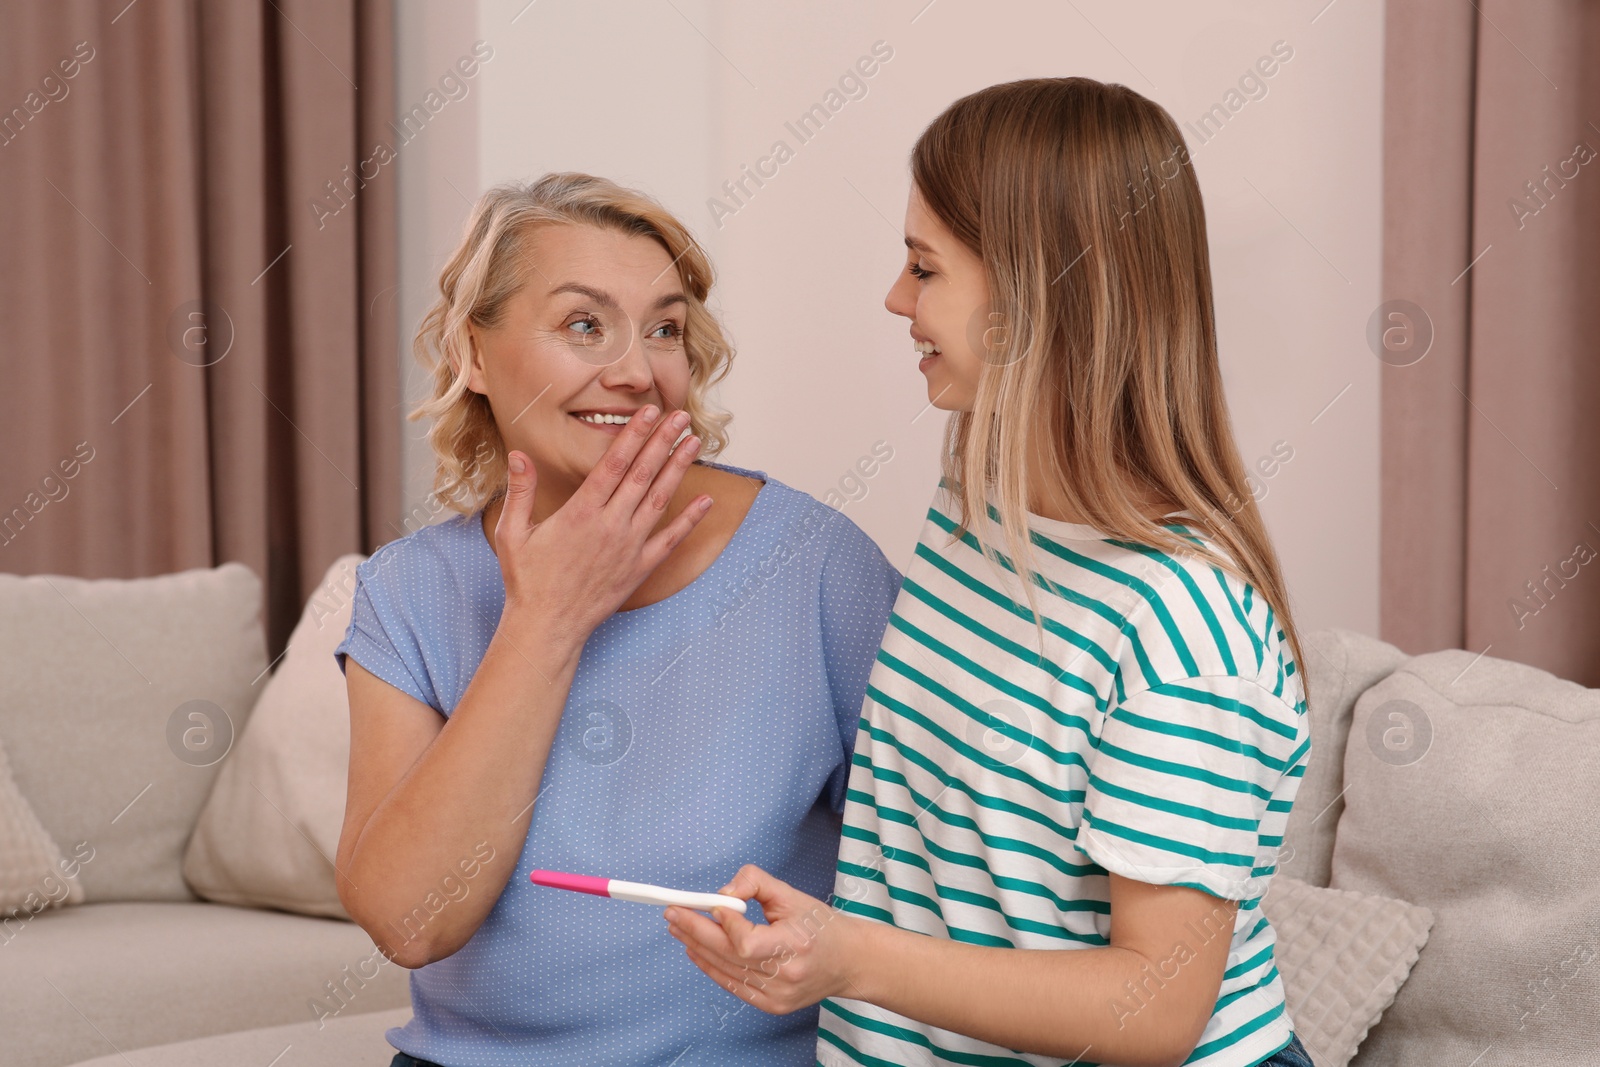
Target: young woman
{"points": [[1069, 791], [584, 669]]}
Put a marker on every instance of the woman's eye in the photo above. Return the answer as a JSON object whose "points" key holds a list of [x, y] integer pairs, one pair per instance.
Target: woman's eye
{"points": [[674, 330], [590, 322], [919, 273]]}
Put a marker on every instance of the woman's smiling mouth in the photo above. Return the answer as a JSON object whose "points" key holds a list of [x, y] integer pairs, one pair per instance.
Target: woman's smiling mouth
{"points": [[611, 422]]}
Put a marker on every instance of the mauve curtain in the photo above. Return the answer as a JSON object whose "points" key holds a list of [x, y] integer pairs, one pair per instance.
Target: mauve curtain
{"points": [[197, 289], [1491, 440]]}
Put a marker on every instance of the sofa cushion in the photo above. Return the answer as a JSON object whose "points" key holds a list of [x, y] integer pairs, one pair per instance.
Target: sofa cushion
{"points": [[1472, 791], [86, 981], [1340, 666], [34, 875], [117, 697], [268, 834], [352, 1041], [1343, 955]]}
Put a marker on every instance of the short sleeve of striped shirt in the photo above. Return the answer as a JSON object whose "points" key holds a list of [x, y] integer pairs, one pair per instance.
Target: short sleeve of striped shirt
{"points": [[1181, 785]]}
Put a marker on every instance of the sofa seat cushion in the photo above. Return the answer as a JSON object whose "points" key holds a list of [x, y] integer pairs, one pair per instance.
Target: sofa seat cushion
{"points": [[348, 1041], [91, 980]]}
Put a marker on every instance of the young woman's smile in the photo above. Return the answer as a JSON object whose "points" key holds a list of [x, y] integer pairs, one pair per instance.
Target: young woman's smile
{"points": [[942, 291]]}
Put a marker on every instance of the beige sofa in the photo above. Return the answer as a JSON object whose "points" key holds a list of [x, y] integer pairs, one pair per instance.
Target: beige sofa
{"points": [[121, 704], [1451, 803]]}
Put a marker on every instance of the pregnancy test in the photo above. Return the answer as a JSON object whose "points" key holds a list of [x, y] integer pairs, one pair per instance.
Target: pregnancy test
{"points": [[638, 892]]}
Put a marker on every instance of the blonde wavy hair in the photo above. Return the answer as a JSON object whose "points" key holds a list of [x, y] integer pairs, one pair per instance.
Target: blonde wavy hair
{"points": [[490, 265], [1081, 201]]}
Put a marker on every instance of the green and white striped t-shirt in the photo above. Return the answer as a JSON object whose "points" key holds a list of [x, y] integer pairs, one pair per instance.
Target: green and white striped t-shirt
{"points": [[1162, 736]]}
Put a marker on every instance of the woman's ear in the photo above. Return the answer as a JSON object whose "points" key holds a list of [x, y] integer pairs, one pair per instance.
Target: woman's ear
{"points": [[477, 381]]}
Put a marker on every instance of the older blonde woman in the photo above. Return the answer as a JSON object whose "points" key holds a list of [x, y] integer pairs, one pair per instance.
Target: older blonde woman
{"points": [[553, 677]]}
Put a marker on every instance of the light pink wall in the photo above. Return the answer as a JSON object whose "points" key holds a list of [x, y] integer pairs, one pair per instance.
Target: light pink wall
{"points": [[679, 98]]}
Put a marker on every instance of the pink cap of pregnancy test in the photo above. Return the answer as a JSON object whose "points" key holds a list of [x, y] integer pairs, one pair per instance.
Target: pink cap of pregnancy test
{"points": [[578, 883]]}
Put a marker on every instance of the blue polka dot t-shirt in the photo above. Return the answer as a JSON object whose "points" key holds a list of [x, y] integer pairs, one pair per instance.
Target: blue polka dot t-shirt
{"points": [[707, 730]]}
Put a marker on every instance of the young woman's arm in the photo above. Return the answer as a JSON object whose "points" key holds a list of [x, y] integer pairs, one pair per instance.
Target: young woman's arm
{"points": [[430, 799], [1169, 945]]}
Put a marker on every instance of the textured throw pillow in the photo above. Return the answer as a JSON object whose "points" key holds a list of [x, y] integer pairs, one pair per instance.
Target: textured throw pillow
{"points": [[1343, 956], [118, 698], [32, 868], [1473, 789], [270, 831]]}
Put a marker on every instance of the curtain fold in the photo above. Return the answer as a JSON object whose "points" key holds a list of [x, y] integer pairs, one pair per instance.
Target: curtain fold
{"points": [[1490, 492], [197, 282]]}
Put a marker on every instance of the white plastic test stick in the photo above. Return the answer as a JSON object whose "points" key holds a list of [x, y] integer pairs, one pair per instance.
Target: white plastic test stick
{"points": [[641, 893]]}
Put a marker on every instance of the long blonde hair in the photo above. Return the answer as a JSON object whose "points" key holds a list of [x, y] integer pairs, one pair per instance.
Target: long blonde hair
{"points": [[490, 265], [1081, 201]]}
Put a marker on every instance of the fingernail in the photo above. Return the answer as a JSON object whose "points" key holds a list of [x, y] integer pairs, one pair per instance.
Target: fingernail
{"points": [[705, 505], [517, 463], [649, 412], [680, 419]]}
